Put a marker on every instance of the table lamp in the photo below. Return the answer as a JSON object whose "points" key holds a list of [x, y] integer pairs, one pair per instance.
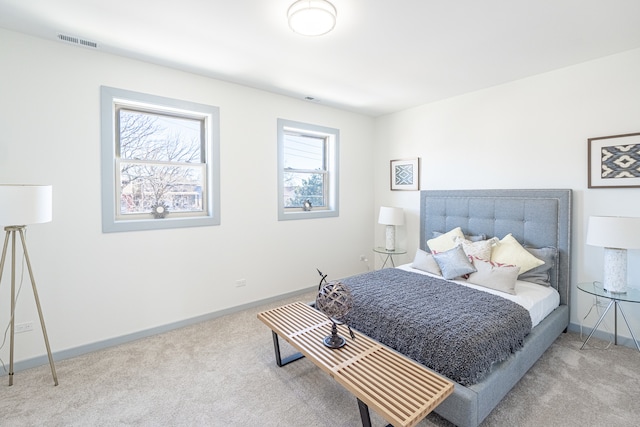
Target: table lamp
{"points": [[616, 235], [390, 217], [21, 205]]}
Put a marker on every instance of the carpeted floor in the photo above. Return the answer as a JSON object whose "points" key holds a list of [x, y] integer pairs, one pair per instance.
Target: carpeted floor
{"points": [[222, 373]]}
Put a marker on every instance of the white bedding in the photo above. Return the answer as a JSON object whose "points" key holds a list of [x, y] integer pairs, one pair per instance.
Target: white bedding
{"points": [[538, 300]]}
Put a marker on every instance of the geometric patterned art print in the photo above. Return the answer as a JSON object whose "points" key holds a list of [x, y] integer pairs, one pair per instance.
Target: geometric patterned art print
{"points": [[620, 161], [404, 174]]}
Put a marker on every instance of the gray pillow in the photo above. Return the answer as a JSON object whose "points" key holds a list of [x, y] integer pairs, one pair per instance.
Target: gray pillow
{"points": [[454, 263], [424, 261], [540, 275]]}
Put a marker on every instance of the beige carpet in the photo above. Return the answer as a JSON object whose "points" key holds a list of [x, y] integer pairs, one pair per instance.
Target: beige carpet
{"points": [[222, 373]]}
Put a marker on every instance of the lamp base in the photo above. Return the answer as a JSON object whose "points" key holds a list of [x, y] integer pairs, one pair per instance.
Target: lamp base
{"points": [[615, 270], [11, 232], [390, 238]]}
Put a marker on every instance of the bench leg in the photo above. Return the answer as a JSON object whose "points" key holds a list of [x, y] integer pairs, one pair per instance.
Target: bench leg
{"points": [[279, 361], [364, 414]]}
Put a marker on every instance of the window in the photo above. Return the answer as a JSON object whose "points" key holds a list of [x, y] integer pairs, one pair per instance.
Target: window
{"points": [[307, 170], [160, 162]]}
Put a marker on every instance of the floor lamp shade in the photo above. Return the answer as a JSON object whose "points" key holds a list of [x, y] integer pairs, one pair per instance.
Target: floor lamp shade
{"points": [[390, 217], [25, 204], [21, 205], [615, 235]]}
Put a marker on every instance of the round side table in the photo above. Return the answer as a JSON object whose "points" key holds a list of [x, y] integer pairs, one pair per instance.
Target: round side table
{"points": [[632, 295], [389, 254]]}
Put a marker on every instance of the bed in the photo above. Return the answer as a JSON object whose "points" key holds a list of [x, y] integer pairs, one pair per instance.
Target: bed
{"points": [[536, 219]]}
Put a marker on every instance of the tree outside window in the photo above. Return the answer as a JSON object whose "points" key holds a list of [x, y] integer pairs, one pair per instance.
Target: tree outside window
{"points": [[161, 163]]}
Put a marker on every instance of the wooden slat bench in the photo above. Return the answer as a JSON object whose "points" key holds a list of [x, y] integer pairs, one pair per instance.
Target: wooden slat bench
{"points": [[402, 391]]}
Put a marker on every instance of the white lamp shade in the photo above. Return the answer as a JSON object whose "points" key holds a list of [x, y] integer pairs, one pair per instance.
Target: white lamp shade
{"points": [[614, 232], [25, 204], [312, 17], [391, 216]]}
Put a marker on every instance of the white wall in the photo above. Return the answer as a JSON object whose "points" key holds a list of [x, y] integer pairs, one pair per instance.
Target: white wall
{"points": [[96, 286], [530, 133]]}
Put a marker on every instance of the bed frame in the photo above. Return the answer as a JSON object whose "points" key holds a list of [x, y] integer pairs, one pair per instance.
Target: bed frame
{"points": [[537, 218]]}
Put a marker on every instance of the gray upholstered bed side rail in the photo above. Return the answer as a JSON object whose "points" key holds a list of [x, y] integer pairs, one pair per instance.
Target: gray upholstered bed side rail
{"points": [[469, 406], [537, 218]]}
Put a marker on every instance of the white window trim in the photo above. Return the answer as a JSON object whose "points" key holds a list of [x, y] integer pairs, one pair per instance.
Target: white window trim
{"points": [[110, 223], [333, 135]]}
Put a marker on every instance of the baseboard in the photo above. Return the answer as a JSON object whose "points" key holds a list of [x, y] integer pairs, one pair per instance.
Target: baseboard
{"points": [[603, 335], [111, 342]]}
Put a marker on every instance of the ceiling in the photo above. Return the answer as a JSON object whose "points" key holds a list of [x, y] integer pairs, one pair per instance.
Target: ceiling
{"points": [[383, 56]]}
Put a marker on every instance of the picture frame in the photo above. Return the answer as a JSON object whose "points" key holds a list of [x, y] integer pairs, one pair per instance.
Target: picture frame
{"points": [[614, 161], [405, 174]]}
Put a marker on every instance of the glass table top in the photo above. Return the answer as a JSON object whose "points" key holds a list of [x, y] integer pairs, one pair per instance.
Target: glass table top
{"points": [[382, 250], [595, 288]]}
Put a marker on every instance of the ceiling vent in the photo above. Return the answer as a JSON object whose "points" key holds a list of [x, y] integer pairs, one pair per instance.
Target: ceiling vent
{"points": [[77, 41]]}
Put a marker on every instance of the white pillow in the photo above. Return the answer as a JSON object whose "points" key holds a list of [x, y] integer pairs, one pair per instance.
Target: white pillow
{"points": [[481, 249], [509, 251], [495, 276], [424, 261], [445, 241]]}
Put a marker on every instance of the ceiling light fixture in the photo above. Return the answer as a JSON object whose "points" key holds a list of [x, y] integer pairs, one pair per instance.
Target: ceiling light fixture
{"points": [[312, 17]]}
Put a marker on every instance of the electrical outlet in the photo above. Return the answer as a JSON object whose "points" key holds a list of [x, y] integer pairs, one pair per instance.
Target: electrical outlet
{"points": [[364, 259], [23, 327], [240, 283]]}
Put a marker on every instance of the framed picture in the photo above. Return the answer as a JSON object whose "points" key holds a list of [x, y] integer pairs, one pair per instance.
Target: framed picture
{"points": [[405, 174], [614, 161]]}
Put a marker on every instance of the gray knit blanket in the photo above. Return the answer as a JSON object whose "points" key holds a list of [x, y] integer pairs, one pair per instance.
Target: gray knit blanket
{"points": [[454, 330]]}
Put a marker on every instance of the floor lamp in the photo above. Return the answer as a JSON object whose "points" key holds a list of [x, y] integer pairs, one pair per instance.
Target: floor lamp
{"points": [[23, 204]]}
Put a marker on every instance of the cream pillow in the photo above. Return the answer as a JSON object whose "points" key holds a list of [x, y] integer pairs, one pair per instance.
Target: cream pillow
{"points": [[509, 251], [481, 249], [445, 241]]}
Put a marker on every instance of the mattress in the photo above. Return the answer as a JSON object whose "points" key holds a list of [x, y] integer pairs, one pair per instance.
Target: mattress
{"points": [[538, 300]]}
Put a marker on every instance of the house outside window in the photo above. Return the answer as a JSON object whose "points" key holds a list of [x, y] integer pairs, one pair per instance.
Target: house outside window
{"points": [[160, 162], [307, 170]]}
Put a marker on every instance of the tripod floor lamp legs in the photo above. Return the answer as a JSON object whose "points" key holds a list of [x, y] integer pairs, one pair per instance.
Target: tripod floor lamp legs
{"points": [[11, 232]]}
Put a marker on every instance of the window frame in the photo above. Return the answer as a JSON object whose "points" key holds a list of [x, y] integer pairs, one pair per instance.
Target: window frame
{"points": [[112, 99], [331, 170]]}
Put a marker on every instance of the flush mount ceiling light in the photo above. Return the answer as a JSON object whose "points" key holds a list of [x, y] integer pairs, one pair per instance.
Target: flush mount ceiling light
{"points": [[312, 17]]}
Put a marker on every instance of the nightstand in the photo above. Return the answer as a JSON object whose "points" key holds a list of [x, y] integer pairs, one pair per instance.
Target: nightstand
{"points": [[389, 254], [632, 295]]}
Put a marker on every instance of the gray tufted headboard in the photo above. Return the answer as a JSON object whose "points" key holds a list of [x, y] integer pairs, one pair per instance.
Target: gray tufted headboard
{"points": [[536, 218]]}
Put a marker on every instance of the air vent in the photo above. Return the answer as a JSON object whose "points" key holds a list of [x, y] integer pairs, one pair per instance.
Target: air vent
{"points": [[77, 41]]}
